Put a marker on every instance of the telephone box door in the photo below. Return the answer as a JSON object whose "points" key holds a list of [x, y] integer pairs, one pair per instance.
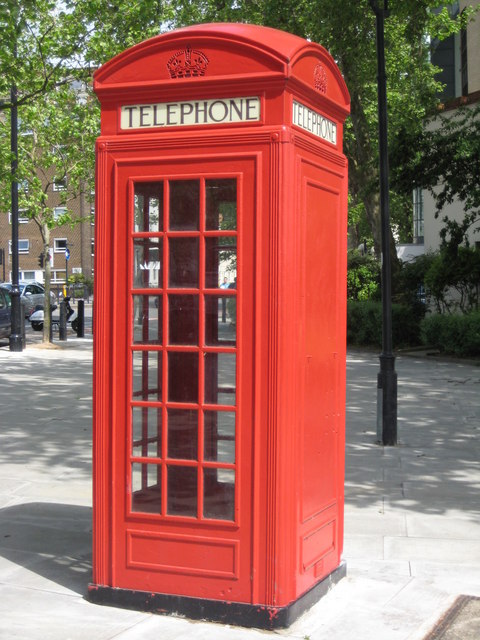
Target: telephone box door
{"points": [[182, 433]]}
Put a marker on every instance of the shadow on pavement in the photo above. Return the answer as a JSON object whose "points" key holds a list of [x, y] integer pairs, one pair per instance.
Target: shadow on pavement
{"points": [[49, 540]]}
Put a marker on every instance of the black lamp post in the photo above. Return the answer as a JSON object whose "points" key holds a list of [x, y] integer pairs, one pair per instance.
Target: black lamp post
{"points": [[387, 377], [16, 340]]}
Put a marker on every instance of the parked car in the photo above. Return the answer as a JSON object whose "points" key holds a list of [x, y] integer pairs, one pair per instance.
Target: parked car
{"points": [[32, 295], [5, 314]]}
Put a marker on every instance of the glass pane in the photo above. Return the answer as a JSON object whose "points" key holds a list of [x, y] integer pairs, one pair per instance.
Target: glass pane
{"points": [[182, 491], [221, 262], [219, 494], [182, 434], [183, 262], [148, 206], [183, 319], [147, 319], [147, 263], [182, 377], [147, 375], [220, 378], [147, 432], [219, 436], [184, 205], [146, 488], [220, 320], [221, 204]]}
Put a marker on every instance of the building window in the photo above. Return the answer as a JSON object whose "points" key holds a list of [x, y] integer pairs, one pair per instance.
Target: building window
{"points": [[26, 275], [59, 184], [58, 212], [464, 61], [59, 245], [22, 219], [418, 216], [23, 246], [58, 276]]}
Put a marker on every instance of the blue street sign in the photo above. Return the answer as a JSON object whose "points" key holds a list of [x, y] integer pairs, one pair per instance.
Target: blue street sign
{"points": [[67, 254]]}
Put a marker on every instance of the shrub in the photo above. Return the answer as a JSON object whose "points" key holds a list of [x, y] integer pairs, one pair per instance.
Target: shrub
{"points": [[363, 277], [452, 279], [364, 325], [457, 335]]}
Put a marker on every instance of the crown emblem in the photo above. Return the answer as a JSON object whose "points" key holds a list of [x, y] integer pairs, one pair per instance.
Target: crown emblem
{"points": [[188, 63], [320, 78]]}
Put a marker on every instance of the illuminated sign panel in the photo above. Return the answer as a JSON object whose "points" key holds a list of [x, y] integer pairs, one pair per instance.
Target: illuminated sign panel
{"points": [[190, 113], [314, 122]]}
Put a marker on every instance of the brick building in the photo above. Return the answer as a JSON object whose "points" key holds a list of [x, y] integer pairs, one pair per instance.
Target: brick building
{"points": [[79, 239]]}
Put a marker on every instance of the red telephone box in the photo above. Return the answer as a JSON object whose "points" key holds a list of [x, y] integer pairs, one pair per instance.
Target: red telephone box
{"points": [[220, 309]]}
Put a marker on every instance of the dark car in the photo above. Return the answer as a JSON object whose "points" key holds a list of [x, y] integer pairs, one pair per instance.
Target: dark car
{"points": [[5, 314]]}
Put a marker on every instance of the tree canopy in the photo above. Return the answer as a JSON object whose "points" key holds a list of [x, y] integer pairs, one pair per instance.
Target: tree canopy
{"points": [[47, 45]]}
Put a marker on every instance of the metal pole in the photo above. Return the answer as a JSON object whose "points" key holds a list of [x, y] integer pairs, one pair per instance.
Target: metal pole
{"points": [[62, 328], [387, 378], [15, 341], [81, 319]]}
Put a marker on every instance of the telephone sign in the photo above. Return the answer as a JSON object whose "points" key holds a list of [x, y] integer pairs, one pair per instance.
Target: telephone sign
{"points": [[219, 393]]}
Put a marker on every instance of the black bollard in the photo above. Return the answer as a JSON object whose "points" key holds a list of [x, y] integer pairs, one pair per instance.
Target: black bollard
{"points": [[81, 319], [62, 332]]}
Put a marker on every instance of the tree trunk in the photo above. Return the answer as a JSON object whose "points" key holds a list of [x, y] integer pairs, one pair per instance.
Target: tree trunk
{"points": [[47, 315]]}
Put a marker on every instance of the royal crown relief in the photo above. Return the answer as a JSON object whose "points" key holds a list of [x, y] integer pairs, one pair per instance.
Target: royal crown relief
{"points": [[189, 63]]}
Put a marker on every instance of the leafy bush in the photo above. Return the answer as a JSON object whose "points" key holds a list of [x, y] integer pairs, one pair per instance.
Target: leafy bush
{"points": [[452, 279], [457, 335], [364, 324], [363, 277]]}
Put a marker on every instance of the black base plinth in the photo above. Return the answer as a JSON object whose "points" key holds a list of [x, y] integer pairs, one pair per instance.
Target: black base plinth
{"points": [[236, 613]]}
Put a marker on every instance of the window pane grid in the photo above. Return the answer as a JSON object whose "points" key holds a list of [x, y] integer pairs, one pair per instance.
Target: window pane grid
{"points": [[196, 482]]}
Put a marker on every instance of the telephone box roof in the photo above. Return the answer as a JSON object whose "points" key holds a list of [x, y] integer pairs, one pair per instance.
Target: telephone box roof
{"points": [[241, 53]]}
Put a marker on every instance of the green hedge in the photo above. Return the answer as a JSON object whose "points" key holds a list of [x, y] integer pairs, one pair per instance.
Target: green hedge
{"points": [[364, 324], [457, 335]]}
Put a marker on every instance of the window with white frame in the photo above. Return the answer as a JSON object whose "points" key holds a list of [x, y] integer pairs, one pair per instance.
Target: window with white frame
{"points": [[58, 212], [59, 245], [23, 246], [59, 184], [58, 275], [22, 219], [418, 215]]}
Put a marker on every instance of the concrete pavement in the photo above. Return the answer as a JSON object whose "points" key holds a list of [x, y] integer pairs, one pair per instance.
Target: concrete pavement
{"points": [[412, 537]]}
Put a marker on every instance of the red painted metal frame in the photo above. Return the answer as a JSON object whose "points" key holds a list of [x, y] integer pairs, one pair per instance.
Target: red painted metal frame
{"points": [[291, 242]]}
